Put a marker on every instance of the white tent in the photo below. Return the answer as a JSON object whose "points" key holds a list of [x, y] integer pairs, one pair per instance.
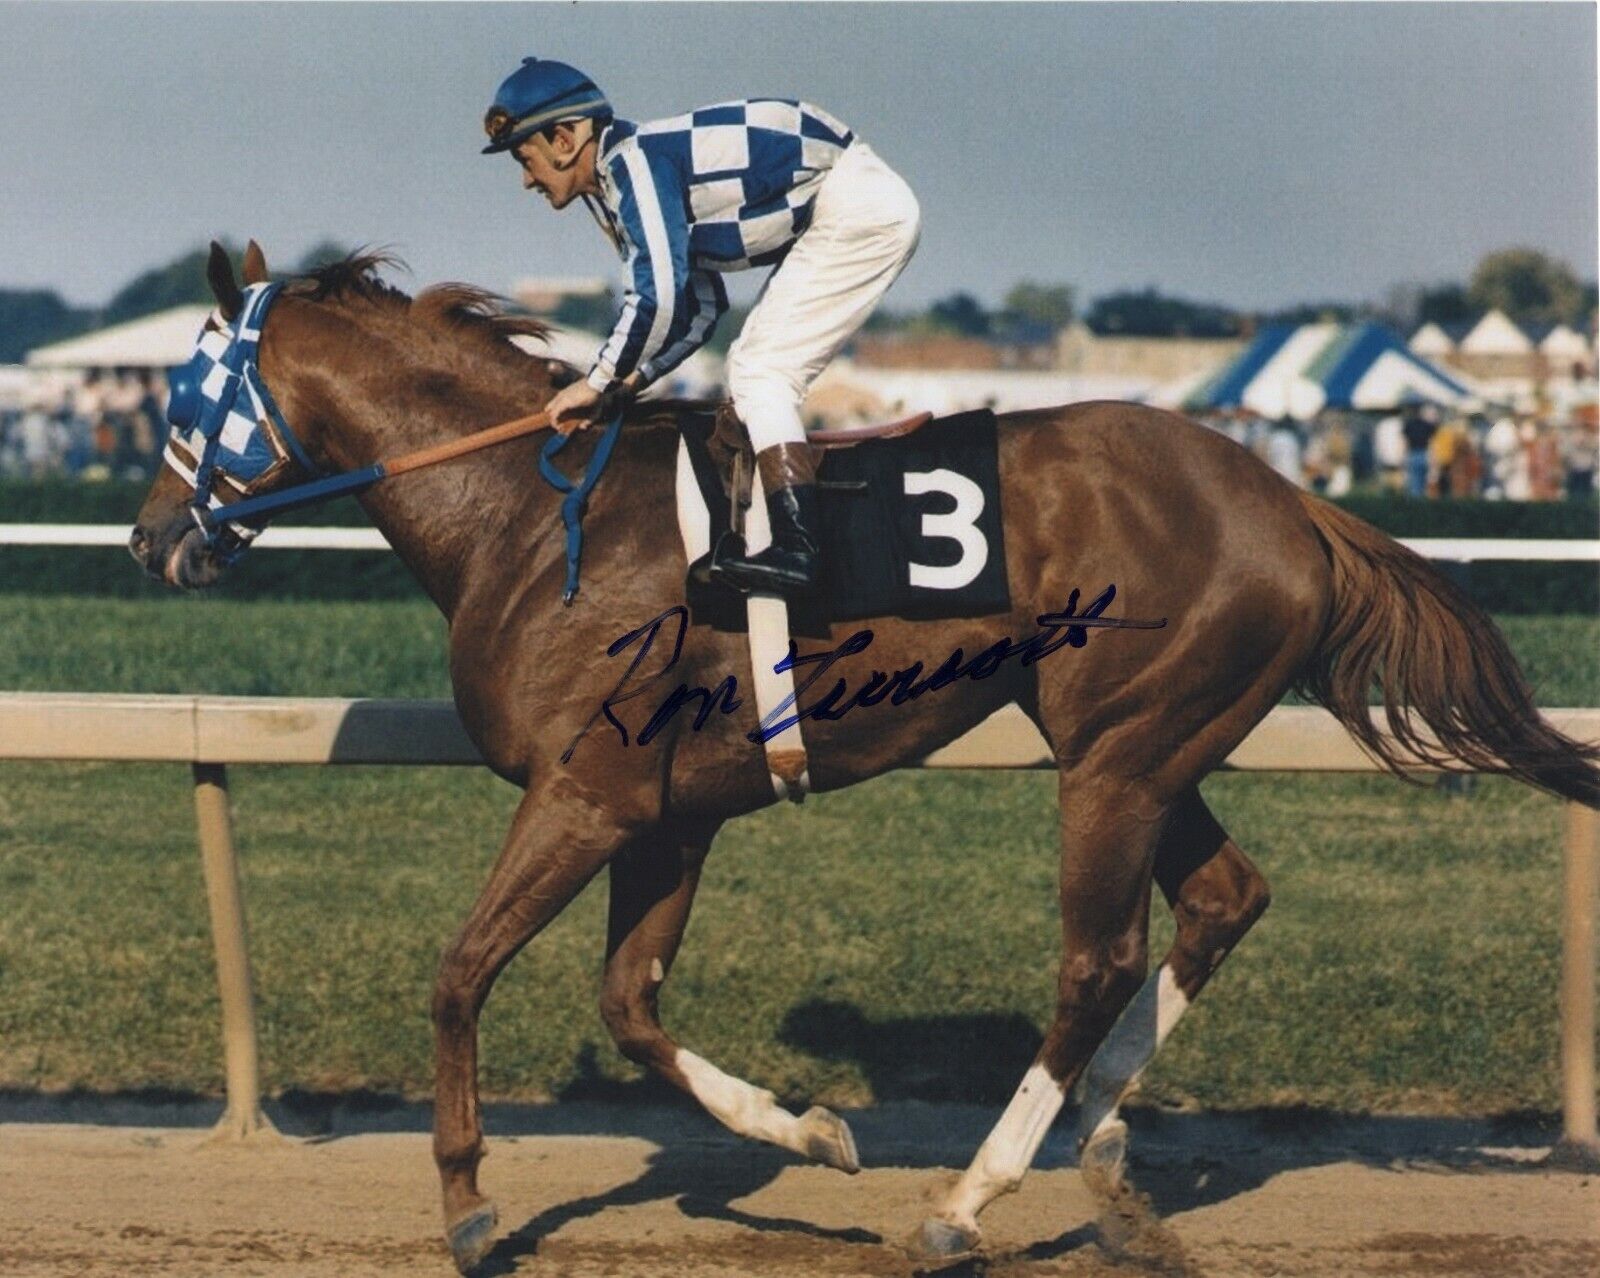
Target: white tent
{"points": [[1432, 342], [154, 341], [1563, 342], [1496, 334]]}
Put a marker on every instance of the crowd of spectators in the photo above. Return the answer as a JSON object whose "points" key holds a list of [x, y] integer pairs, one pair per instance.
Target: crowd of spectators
{"points": [[112, 424], [1425, 451]]}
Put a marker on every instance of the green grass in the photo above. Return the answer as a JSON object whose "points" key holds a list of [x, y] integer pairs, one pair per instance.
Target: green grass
{"points": [[895, 940], [198, 643]]}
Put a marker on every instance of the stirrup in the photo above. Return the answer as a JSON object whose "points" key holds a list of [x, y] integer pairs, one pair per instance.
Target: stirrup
{"points": [[750, 575]]}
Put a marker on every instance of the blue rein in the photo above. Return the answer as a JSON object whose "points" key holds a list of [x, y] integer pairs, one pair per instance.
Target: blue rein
{"points": [[198, 407], [577, 494]]}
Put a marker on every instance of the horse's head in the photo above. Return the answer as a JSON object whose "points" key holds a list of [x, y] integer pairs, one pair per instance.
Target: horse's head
{"points": [[229, 437], [360, 369]]}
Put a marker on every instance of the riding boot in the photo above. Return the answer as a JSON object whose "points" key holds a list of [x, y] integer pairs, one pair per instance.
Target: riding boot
{"points": [[789, 565]]}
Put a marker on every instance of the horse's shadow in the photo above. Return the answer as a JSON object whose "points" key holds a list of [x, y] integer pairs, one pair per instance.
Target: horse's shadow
{"points": [[1178, 1162], [920, 1058], [706, 1180], [974, 1059]]}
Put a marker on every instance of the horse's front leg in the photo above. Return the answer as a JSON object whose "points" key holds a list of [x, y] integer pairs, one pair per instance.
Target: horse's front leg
{"points": [[653, 882], [554, 847]]}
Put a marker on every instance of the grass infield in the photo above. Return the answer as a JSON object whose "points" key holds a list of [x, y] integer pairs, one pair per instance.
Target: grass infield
{"points": [[895, 940]]}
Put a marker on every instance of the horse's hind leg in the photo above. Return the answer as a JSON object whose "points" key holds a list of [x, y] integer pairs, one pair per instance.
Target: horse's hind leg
{"points": [[554, 847], [1109, 833], [653, 883], [1216, 894]]}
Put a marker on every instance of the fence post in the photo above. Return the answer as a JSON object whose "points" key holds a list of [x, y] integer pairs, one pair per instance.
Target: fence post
{"points": [[243, 1117], [1580, 1142]]}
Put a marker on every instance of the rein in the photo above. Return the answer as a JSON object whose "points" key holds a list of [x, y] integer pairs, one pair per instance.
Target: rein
{"points": [[214, 518]]}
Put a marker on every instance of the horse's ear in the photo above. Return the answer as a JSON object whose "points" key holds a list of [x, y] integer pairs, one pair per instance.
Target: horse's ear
{"points": [[219, 272], [255, 265]]}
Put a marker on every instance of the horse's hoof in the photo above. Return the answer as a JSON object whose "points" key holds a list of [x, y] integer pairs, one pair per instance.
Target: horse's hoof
{"points": [[471, 1236], [828, 1139], [1104, 1158], [943, 1241]]}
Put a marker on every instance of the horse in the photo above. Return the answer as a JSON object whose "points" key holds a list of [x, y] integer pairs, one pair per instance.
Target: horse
{"points": [[1262, 588]]}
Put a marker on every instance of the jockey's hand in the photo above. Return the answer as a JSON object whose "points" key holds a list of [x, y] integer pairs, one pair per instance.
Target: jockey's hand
{"points": [[574, 408]]}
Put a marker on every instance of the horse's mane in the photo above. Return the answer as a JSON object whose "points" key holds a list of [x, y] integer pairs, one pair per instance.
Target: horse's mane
{"points": [[453, 307], [355, 279]]}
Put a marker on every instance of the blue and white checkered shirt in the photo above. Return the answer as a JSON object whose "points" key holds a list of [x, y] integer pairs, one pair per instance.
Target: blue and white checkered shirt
{"points": [[723, 188]]}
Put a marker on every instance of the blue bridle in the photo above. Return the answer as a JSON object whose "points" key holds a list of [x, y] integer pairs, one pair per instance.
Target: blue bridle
{"points": [[227, 422], [249, 444]]}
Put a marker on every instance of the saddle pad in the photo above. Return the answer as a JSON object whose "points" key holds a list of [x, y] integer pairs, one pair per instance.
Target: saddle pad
{"points": [[910, 527]]}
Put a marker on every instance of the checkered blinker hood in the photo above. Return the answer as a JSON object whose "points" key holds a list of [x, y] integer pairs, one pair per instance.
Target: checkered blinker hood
{"points": [[226, 429]]}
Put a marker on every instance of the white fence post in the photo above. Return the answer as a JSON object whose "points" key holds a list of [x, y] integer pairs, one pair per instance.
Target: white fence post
{"points": [[1580, 1140], [243, 1117]]}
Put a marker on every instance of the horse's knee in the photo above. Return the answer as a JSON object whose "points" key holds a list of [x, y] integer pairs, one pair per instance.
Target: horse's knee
{"points": [[630, 1018], [1097, 982]]}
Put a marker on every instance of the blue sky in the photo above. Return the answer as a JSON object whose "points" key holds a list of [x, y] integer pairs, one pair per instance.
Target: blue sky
{"points": [[1249, 154]]}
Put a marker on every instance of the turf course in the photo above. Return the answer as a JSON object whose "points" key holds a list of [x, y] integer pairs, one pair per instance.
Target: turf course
{"points": [[1408, 961]]}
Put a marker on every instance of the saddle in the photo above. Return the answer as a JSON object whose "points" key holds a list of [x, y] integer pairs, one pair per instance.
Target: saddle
{"points": [[728, 445]]}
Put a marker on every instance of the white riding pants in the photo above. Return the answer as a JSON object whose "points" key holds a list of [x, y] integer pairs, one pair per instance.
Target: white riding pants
{"points": [[864, 228]]}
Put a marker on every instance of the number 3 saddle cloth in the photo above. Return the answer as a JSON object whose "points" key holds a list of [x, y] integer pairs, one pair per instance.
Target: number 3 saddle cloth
{"points": [[910, 525]]}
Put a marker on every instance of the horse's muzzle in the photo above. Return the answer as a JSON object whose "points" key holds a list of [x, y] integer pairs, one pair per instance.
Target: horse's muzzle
{"points": [[178, 556]]}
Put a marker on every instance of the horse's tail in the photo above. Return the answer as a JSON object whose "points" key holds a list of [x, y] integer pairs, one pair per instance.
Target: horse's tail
{"points": [[1398, 622]]}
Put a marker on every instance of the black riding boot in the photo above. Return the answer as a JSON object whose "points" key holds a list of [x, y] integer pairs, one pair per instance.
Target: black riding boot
{"points": [[789, 565]]}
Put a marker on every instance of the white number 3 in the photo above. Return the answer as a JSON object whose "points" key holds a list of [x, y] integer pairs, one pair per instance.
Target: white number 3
{"points": [[960, 525]]}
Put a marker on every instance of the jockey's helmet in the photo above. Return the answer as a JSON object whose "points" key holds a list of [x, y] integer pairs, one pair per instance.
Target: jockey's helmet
{"points": [[539, 93]]}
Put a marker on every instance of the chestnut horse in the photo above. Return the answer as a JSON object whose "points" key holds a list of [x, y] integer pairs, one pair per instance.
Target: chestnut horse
{"points": [[1263, 588]]}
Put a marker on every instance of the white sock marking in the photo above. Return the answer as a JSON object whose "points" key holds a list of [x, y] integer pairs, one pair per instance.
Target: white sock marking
{"points": [[739, 1106], [1133, 1040], [1008, 1152]]}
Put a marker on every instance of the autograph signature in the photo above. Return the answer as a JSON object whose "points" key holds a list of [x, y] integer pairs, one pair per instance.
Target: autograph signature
{"points": [[1067, 628]]}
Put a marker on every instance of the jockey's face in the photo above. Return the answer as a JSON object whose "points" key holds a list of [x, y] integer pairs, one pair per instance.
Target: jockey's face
{"points": [[559, 166]]}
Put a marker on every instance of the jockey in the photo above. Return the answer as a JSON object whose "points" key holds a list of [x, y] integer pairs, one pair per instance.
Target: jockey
{"points": [[762, 182]]}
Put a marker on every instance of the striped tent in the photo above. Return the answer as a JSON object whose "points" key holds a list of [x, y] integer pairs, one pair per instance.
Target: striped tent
{"points": [[1298, 370]]}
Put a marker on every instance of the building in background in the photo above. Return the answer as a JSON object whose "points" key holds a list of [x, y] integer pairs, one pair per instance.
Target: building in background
{"points": [[1156, 360], [544, 295]]}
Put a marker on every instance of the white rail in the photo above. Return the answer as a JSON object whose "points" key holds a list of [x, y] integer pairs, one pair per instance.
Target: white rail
{"points": [[288, 537], [280, 538]]}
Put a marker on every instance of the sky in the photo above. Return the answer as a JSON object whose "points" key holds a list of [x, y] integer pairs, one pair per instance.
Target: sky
{"points": [[1253, 155]]}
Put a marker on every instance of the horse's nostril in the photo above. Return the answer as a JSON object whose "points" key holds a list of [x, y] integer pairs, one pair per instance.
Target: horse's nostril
{"points": [[139, 544]]}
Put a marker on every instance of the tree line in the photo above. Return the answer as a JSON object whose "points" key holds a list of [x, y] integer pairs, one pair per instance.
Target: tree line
{"points": [[37, 317], [1533, 288]]}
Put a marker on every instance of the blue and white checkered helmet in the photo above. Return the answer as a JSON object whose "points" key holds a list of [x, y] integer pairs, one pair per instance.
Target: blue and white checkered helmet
{"points": [[537, 94]]}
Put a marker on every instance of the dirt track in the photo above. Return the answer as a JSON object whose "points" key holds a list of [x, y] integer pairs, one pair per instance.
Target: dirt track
{"points": [[585, 1191]]}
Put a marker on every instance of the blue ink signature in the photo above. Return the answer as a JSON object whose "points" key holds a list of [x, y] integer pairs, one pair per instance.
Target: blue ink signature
{"points": [[1067, 628]]}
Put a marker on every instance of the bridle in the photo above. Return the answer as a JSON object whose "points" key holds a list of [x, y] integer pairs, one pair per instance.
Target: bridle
{"points": [[227, 426]]}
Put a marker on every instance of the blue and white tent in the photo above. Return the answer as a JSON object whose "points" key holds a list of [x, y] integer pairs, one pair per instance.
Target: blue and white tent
{"points": [[1298, 370]]}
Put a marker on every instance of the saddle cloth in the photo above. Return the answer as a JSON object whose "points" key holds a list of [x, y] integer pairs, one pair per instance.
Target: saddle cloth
{"points": [[909, 527]]}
